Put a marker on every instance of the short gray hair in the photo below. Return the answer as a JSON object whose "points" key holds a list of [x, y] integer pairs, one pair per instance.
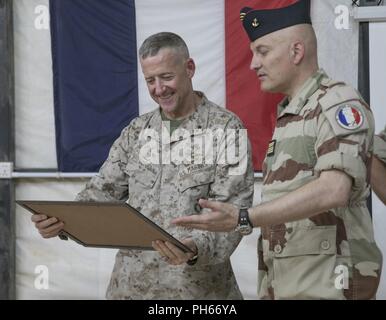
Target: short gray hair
{"points": [[153, 44]]}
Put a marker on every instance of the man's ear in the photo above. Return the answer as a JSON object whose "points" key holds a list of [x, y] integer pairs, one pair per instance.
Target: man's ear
{"points": [[297, 52], [190, 67]]}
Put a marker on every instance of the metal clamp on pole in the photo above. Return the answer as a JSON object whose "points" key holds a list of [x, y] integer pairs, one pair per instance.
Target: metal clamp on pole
{"points": [[6, 169]]}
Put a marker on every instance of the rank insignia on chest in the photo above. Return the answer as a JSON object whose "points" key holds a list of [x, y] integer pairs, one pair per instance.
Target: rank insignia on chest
{"points": [[271, 148]]}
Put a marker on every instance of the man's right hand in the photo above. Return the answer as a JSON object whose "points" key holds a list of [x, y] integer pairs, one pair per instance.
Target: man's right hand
{"points": [[47, 227]]}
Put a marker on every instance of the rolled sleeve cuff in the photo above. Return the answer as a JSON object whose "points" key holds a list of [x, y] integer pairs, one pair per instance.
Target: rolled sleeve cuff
{"points": [[214, 247], [201, 241], [354, 167]]}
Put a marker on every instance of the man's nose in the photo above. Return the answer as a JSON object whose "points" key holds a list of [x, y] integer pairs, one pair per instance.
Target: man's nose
{"points": [[255, 63], [159, 87]]}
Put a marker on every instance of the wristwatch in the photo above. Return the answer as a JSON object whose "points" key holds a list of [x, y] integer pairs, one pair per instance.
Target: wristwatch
{"points": [[244, 225], [192, 261]]}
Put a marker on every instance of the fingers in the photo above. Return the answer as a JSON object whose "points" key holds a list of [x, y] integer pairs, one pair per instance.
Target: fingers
{"points": [[165, 251], [43, 224], [201, 226], [201, 222], [170, 253], [52, 231], [38, 217], [47, 227], [189, 242], [188, 220], [213, 205], [159, 246]]}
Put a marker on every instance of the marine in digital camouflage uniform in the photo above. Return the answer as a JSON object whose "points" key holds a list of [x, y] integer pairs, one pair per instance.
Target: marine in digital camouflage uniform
{"points": [[145, 168], [317, 239], [163, 192]]}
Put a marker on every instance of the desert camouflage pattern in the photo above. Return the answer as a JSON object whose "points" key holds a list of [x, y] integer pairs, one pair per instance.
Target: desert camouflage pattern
{"points": [[332, 255], [163, 192], [380, 146]]}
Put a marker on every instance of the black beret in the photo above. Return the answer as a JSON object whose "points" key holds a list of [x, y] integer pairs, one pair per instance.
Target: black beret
{"points": [[258, 23]]}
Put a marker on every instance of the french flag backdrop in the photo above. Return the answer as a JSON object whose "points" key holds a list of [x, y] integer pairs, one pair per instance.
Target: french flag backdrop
{"points": [[98, 87]]}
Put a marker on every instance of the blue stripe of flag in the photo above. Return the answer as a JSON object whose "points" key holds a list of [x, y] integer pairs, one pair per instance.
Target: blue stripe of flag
{"points": [[95, 78]]}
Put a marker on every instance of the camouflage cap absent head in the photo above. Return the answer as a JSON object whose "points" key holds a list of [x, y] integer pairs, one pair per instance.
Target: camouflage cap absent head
{"points": [[258, 23]]}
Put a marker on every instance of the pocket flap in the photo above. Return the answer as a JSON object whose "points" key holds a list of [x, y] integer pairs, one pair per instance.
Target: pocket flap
{"points": [[144, 175], [308, 241], [196, 178]]}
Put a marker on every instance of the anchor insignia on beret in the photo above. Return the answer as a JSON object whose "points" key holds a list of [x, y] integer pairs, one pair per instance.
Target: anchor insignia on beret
{"points": [[255, 23]]}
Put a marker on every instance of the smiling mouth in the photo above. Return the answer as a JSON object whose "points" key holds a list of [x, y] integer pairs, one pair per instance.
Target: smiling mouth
{"points": [[165, 98]]}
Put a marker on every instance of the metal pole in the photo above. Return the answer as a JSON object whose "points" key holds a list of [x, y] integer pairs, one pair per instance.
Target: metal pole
{"points": [[67, 175], [7, 212], [364, 73], [51, 175]]}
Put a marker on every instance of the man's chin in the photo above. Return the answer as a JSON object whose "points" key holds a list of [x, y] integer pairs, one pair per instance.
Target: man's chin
{"points": [[167, 108], [264, 87], [168, 105]]}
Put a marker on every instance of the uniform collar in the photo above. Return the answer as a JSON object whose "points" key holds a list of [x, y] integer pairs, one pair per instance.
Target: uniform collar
{"points": [[199, 119], [196, 121], [300, 99]]}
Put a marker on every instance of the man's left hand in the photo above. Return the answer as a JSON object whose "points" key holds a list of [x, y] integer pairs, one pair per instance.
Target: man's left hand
{"points": [[222, 217], [172, 254]]}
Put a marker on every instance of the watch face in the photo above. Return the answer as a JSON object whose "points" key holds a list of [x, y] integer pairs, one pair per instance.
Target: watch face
{"points": [[244, 230]]}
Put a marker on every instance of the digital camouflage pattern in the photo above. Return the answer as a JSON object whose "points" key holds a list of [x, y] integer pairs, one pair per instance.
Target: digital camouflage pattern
{"points": [[164, 192], [380, 146], [332, 255]]}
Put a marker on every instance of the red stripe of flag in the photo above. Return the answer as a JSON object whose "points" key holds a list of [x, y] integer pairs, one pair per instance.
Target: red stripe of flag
{"points": [[357, 116], [255, 108]]}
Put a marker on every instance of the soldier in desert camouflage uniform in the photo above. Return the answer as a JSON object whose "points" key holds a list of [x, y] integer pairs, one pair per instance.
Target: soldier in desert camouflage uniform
{"points": [[164, 190], [378, 169], [316, 232]]}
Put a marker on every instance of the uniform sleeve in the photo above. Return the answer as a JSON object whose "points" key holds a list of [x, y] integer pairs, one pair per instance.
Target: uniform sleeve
{"points": [[348, 149], [234, 183], [380, 146], [111, 183]]}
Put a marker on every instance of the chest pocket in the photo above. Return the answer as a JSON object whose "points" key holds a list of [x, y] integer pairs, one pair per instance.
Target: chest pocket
{"points": [[141, 176], [194, 185], [141, 181]]}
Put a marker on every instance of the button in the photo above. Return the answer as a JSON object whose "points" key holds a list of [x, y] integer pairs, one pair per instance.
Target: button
{"points": [[325, 245], [197, 207], [278, 249]]}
